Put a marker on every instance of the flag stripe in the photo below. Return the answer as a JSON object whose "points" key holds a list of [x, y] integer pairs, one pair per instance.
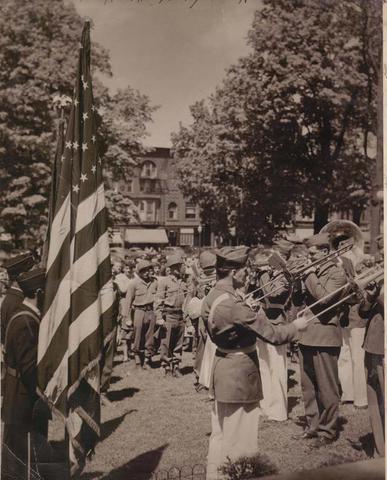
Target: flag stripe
{"points": [[88, 320], [90, 234], [59, 231], [81, 299], [91, 343], [89, 208], [57, 273], [54, 316]]}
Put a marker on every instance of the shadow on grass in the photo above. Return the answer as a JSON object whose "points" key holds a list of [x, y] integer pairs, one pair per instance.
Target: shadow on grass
{"points": [[110, 426], [118, 395], [186, 370], [291, 381], [365, 443], [140, 468], [292, 403], [115, 379]]}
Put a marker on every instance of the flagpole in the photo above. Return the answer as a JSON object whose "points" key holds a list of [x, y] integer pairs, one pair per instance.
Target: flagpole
{"points": [[29, 456]]}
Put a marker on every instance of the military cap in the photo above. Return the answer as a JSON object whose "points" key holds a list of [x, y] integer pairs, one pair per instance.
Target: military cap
{"points": [[19, 264], [318, 240], [33, 280], [174, 260], [284, 246], [231, 257], [207, 259], [143, 265]]}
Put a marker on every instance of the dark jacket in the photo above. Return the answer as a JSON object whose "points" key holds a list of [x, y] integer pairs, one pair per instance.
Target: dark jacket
{"points": [[12, 300], [374, 336], [278, 294], [232, 325], [324, 331], [21, 346]]}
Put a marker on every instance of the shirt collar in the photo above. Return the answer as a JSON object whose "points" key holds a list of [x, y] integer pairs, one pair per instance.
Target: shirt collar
{"points": [[225, 285], [31, 306]]}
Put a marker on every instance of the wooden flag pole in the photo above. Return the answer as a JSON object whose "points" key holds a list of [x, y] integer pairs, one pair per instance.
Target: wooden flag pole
{"points": [[29, 456]]}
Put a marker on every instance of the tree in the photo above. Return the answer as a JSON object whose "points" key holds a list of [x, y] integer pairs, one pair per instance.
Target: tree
{"points": [[38, 54], [287, 124]]}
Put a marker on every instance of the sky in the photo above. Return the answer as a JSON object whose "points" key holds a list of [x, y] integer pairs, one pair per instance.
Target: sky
{"points": [[173, 53]]}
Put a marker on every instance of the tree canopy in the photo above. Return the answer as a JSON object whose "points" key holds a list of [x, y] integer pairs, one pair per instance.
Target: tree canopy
{"points": [[38, 53], [289, 121]]}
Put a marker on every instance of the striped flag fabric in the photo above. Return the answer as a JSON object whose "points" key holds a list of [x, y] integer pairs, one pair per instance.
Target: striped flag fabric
{"points": [[77, 318]]}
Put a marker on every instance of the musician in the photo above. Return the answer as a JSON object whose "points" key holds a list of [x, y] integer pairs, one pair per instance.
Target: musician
{"points": [[22, 412], [14, 296], [273, 358], [203, 284], [140, 298], [372, 309], [320, 346], [236, 383]]}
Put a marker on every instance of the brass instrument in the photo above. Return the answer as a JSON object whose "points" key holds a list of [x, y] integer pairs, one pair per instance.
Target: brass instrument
{"points": [[296, 273], [357, 284]]}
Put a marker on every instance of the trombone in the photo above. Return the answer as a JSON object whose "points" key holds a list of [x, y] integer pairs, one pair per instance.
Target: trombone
{"points": [[296, 273], [357, 284]]}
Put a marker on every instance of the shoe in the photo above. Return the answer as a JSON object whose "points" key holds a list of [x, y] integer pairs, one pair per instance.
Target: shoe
{"points": [[199, 388], [321, 442], [166, 371], [177, 373], [146, 365], [305, 435]]}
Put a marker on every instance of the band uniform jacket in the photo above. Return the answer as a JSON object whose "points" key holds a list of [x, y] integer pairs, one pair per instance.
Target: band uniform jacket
{"points": [[374, 335], [274, 303], [11, 303], [234, 326], [170, 297], [325, 330], [21, 346]]}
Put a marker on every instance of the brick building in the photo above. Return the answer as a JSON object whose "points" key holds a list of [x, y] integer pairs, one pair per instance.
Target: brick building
{"points": [[167, 217]]}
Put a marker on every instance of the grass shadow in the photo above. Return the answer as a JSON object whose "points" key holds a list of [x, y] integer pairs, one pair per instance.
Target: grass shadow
{"points": [[292, 382], [110, 426], [115, 379], [140, 468], [186, 370], [118, 395], [292, 403], [366, 443]]}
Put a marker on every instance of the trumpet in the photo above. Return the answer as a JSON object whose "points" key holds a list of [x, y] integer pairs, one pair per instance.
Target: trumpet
{"points": [[357, 285]]}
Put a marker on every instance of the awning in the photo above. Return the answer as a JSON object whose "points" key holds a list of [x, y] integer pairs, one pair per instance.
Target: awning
{"points": [[155, 236]]}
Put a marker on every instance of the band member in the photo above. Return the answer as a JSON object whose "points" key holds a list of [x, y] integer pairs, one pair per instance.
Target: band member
{"points": [[22, 413], [170, 298], [236, 384], [204, 282], [140, 298], [320, 346], [372, 308], [273, 358], [14, 296]]}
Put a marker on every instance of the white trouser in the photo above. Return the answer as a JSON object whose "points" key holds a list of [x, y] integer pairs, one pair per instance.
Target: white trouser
{"points": [[351, 367], [274, 376], [207, 363], [234, 434]]}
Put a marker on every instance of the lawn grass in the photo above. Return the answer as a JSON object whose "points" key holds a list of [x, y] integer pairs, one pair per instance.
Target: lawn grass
{"points": [[155, 424]]}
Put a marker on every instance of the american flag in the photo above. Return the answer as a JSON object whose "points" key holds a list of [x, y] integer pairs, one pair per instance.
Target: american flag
{"points": [[77, 320]]}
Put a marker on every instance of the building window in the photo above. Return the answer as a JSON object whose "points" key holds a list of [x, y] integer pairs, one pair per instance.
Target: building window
{"points": [[172, 211], [130, 186], [190, 211], [148, 170]]}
